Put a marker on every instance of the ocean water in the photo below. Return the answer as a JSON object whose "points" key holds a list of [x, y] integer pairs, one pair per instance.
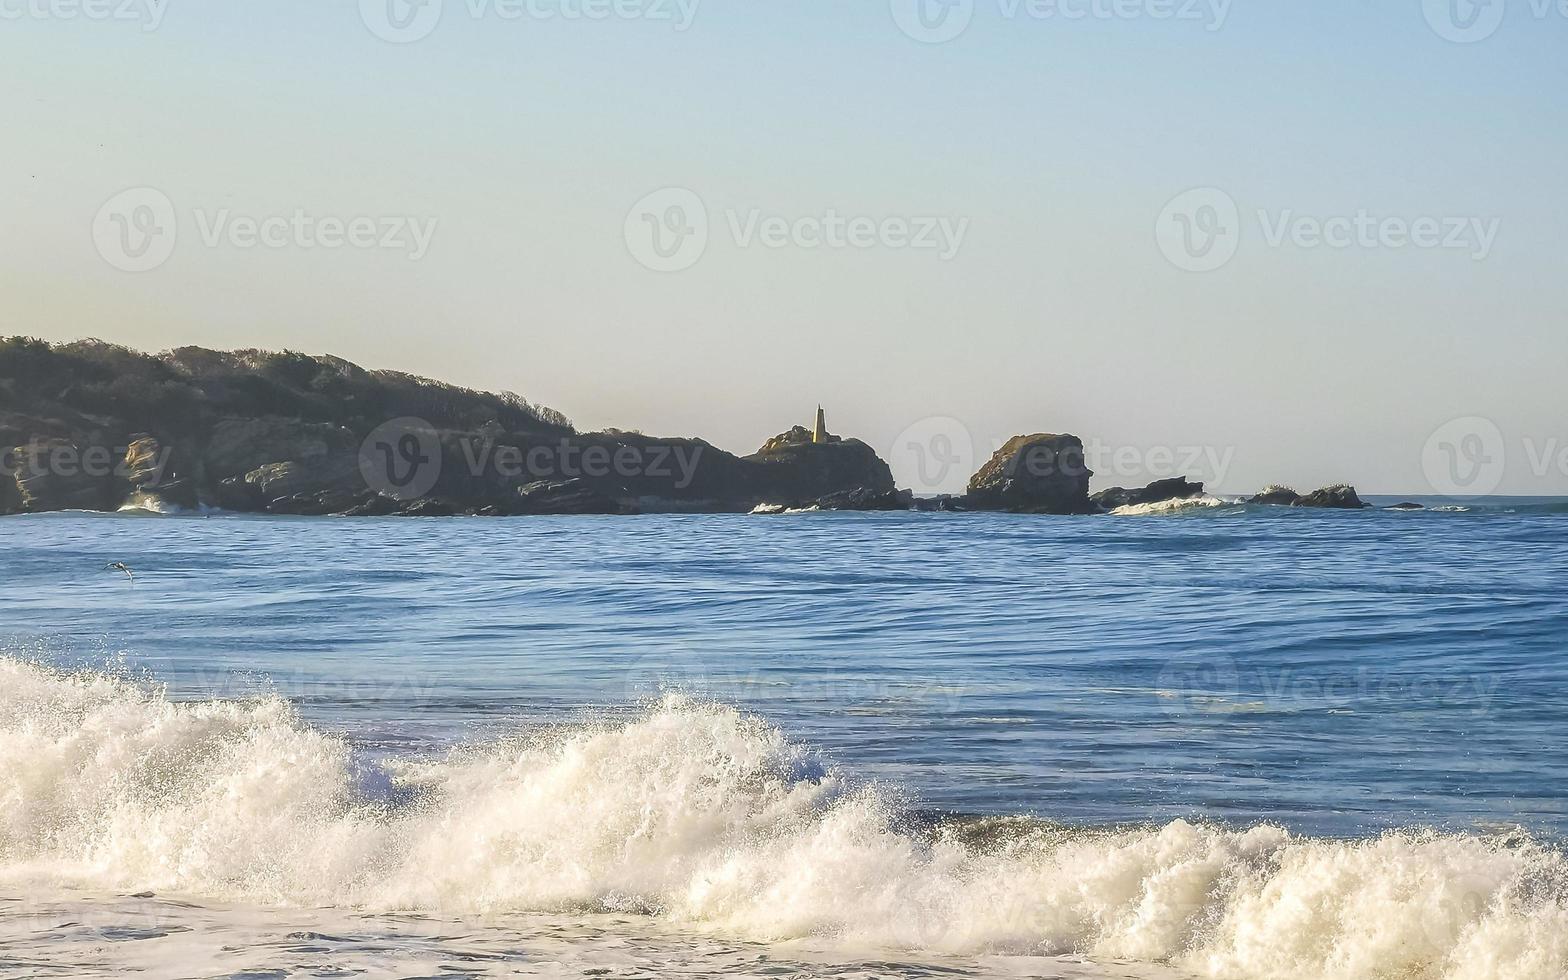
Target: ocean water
{"points": [[1218, 742]]}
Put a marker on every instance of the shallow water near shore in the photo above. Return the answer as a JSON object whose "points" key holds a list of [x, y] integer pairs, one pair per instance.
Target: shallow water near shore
{"points": [[157, 937], [1241, 742]]}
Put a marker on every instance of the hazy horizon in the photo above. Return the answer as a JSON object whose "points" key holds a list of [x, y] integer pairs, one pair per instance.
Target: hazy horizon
{"points": [[1305, 245]]}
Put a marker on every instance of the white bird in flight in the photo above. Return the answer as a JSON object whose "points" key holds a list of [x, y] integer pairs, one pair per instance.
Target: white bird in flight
{"points": [[120, 566]]}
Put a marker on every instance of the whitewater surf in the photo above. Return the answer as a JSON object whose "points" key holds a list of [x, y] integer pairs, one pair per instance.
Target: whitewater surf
{"points": [[698, 818]]}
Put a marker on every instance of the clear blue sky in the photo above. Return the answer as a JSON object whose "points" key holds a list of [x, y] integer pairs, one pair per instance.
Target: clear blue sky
{"points": [[1054, 142]]}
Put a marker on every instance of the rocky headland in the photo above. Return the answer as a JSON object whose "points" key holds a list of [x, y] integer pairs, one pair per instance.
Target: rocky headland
{"points": [[93, 426]]}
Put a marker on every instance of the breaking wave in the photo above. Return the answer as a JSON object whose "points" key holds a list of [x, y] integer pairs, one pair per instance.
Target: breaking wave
{"points": [[713, 820], [1200, 502]]}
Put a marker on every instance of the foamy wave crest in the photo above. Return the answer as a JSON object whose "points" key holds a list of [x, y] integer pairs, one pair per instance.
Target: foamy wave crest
{"points": [[147, 503], [714, 820], [1172, 506]]}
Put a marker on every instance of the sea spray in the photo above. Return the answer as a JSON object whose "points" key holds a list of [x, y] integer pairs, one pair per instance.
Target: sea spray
{"points": [[715, 821]]}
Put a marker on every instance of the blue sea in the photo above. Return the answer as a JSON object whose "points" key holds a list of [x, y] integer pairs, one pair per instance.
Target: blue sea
{"points": [[1229, 741]]}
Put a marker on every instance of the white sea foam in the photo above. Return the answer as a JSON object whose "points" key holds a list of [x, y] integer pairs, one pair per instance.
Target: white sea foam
{"points": [[147, 503], [713, 821], [1172, 506], [784, 509]]}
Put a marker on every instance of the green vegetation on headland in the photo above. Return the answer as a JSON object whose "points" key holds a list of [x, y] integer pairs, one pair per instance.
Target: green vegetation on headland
{"points": [[182, 391], [95, 426]]}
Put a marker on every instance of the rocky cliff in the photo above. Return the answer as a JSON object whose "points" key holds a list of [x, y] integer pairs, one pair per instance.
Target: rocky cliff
{"points": [[93, 426], [792, 468], [1034, 474]]}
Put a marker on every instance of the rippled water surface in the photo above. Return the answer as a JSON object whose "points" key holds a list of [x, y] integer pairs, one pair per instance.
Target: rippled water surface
{"points": [[1338, 673], [1232, 707]]}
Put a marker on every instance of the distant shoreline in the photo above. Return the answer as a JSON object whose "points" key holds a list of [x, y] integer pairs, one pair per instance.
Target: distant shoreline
{"points": [[97, 427]]}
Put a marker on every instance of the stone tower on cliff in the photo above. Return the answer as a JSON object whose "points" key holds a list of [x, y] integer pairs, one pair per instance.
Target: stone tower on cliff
{"points": [[819, 435]]}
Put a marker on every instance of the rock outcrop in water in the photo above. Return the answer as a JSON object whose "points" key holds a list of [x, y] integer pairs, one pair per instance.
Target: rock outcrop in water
{"points": [[564, 497], [1035, 474], [868, 500], [1158, 492], [862, 500], [1338, 497], [1276, 496]]}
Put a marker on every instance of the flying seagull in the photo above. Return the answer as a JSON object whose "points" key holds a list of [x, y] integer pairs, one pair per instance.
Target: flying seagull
{"points": [[120, 566]]}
